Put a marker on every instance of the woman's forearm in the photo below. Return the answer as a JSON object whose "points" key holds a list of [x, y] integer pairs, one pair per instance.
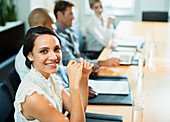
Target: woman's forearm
{"points": [[77, 111], [84, 91]]}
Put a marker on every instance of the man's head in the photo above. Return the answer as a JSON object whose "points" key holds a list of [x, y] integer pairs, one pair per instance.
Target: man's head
{"points": [[63, 13], [42, 17]]}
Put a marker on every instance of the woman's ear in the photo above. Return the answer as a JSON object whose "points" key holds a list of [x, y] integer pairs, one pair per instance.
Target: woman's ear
{"points": [[29, 56]]}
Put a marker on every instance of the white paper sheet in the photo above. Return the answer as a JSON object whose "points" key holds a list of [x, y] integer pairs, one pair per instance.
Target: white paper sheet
{"points": [[110, 87]]}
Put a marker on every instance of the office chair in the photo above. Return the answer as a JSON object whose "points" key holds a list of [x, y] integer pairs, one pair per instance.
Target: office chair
{"points": [[82, 43], [155, 16], [6, 103], [14, 79]]}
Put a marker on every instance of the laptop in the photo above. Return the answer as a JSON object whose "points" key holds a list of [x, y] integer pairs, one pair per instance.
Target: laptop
{"points": [[125, 57]]}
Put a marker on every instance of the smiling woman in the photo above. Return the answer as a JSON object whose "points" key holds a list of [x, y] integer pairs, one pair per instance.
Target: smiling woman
{"points": [[30, 38], [46, 55], [40, 96]]}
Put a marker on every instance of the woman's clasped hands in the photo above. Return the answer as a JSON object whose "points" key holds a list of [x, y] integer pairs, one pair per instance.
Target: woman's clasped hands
{"points": [[78, 71]]}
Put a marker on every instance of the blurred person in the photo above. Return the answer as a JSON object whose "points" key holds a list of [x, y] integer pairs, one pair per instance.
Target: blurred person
{"points": [[100, 32]]}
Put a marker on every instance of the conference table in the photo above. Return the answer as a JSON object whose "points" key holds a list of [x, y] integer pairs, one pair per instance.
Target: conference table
{"points": [[156, 79]]}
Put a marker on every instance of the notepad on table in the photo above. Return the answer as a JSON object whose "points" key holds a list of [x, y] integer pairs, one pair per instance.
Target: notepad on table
{"points": [[110, 87]]}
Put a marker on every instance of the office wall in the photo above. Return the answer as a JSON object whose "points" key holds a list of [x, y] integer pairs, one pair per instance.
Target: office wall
{"points": [[48, 4], [24, 7], [158, 5], [23, 10]]}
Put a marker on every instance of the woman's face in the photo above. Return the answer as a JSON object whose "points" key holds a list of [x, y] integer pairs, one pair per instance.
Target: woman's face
{"points": [[98, 8], [46, 54]]}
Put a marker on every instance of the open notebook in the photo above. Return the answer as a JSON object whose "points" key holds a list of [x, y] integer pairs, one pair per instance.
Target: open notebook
{"points": [[125, 57], [110, 86]]}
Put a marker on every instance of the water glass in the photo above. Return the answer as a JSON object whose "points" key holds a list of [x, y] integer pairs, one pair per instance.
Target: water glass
{"points": [[137, 109]]}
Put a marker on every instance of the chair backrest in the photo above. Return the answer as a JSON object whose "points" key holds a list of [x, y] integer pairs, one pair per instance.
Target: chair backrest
{"points": [[6, 103], [14, 79], [155, 16]]}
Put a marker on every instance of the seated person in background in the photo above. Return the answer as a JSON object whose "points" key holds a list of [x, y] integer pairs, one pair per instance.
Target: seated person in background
{"points": [[43, 17], [40, 96], [99, 30], [70, 49]]}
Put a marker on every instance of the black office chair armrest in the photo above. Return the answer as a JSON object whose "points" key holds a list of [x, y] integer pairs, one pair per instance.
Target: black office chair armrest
{"points": [[14, 79]]}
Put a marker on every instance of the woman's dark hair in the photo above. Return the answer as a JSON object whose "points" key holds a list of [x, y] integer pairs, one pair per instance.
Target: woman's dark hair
{"points": [[30, 38], [61, 6]]}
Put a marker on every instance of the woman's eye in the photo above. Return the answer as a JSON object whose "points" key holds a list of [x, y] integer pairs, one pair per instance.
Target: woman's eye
{"points": [[57, 49], [95, 7], [43, 51]]}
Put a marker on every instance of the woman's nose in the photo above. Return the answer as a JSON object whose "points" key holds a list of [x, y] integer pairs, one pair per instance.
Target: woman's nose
{"points": [[52, 55]]}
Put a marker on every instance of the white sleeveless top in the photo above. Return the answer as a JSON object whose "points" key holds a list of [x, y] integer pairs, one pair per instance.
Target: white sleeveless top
{"points": [[35, 81]]}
